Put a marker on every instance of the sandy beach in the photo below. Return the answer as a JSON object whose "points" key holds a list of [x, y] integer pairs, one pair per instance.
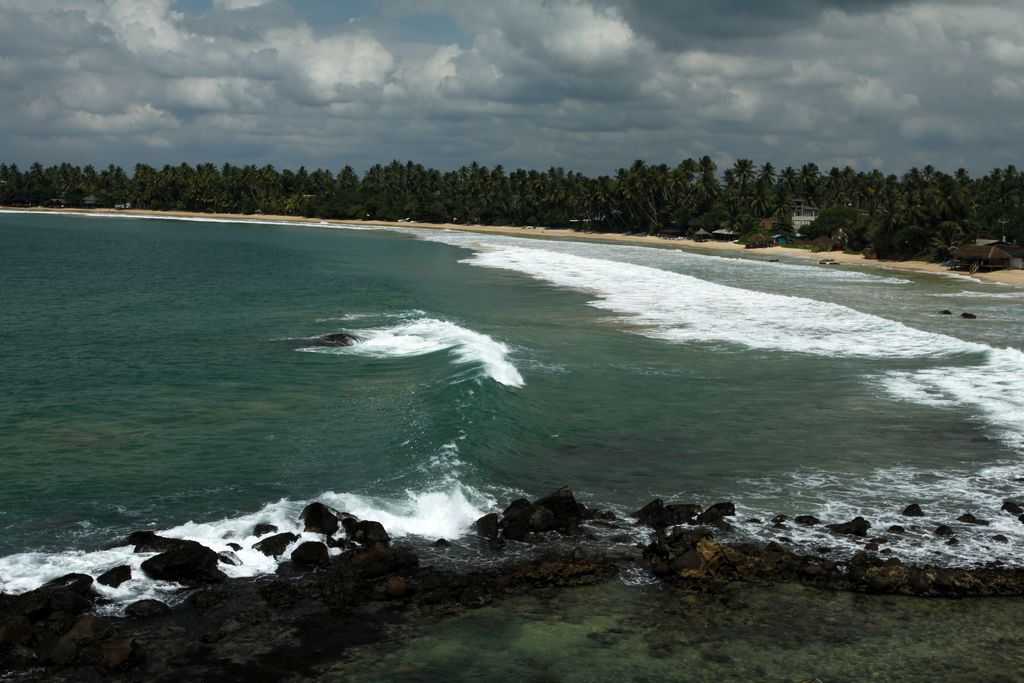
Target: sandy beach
{"points": [[1006, 277]]}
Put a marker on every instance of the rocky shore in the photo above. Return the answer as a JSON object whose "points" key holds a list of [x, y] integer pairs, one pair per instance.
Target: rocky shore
{"points": [[356, 589]]}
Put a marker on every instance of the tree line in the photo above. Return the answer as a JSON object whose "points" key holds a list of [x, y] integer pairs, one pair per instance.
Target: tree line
{"points": [[922, 213]]}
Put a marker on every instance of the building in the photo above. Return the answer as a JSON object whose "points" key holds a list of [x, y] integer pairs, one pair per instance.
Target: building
{"points": [[804, 213], [89, 201], [988, 257]]}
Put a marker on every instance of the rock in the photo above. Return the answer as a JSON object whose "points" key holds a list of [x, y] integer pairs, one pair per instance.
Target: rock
{"points": [[999, 538], [116, 576], [564, 508], [367, 532], [190, 563], [515, 521], [320, 519], [279, 594], [395, 586], [90, 628], [14, 628], [264, 528], [858, 526], [149, 542], [336, 339], [228, 557], [146, 609], [807, 520], [117, 655], [715, 513], [659, 515], [913, 510], [206, 599], [943, 530], [378, 560], [60, 652], [1012, 507], [945, 311], [234, 546], [953, 541], [896, 529], [968, 316], [275, 545], [968, 518], [542, 519], [443, 542], [69, 593], [488, 526], [311, 554]]}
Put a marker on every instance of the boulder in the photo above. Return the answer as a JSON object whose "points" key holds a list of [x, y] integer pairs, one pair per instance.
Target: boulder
{"points": [[234, 546], [913, 510], [190, 564], [264, 528], [149, 542], [116, 576], [968, 316], [121, 654], [858, 526], [542, 519], [1012, 507], [311, 554], [90, 628], [515, 521], [659, 515], [146, 609], [69, 593], [488, 526], [275, 545], [943, 530], [336, 339], [368, 532], [228, 557], [443, 542], [806, 520], [896, 529], [563, 506], [945, 311], [999, 538], [968, 518], [320, 519]]}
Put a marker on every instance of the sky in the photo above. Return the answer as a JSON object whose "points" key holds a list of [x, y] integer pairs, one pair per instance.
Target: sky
{"points": [[588, 85]]}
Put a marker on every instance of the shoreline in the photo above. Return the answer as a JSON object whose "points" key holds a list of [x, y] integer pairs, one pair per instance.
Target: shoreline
{"points": [[1014, 278]]}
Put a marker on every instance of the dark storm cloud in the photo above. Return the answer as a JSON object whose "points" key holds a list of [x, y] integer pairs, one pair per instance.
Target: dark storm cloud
{"points": [[585, 84]]}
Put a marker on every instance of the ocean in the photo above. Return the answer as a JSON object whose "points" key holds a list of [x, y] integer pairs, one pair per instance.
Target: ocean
{"points": [[163, 374]]}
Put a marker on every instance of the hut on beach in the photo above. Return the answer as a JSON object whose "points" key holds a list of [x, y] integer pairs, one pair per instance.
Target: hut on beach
{"points": [[701, 235], [725, 235], [760, 241], [89, 201], [988, 257]]}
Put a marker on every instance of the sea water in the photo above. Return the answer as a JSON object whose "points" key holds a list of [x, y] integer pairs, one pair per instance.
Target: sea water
{"points": [[163, 374]]}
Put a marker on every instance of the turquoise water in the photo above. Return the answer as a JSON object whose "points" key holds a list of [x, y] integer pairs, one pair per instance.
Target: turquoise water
{"points": [[160, 374]]}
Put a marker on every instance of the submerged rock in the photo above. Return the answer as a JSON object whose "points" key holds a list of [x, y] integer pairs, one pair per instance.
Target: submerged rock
{"points": [[968, 518], [335, 339], [264, 528], [968, 316], [1012, 507], [807, 520], [913, 510]]}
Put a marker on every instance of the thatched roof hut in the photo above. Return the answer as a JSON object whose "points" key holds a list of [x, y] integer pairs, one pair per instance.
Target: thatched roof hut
{"points": [[988, 257], [760, 241], [701, 235]]}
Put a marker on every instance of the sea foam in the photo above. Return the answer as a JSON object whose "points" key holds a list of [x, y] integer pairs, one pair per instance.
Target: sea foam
{"points": [[429, 335]]}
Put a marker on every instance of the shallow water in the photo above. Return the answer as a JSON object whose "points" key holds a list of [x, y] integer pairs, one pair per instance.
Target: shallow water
{"points": [[160, 374], [777, 633]]}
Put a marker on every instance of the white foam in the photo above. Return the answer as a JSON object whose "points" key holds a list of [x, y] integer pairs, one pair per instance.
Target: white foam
{"points": [[445, 512], [429, 335]]}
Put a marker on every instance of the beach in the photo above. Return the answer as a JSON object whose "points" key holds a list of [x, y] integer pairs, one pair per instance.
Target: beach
{"points": [[1006, 277]]}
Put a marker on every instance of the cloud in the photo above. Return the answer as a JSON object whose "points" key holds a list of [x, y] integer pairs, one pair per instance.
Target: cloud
{"points": [[584, 84]]}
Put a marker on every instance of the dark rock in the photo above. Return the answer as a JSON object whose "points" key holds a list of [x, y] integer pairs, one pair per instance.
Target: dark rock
{"points": [[335, 339], [275, 545], [953, 541], [542, 519], [69, 593], [515, 521], [206, 599], [228, 557], [968, 518], [234, 546], [564, 507], [14, 628], [807, 520], [715, 513], [443, 543], [116, 576], [1012, 507], [488, 526], [913, 510], [320, 519], [279, 594], [368, 532], [149, 542], [90, 628], [968, 316], [311, 554], [190, 563], [999, 538], [659, 515], [118, 655], [377, 560], [395, 586], [946, 311], [146, 609], [858, 526], [943, 530], [264, 528], [896, 529], [60, 652], [69, 602]]}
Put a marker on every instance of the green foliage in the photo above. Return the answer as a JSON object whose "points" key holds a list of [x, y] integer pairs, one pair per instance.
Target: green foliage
{"points": [[922, 212]]}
